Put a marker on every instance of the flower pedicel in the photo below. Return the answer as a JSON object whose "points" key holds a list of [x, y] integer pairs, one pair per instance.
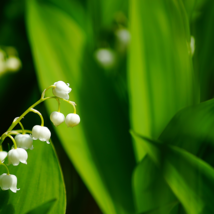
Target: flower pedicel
{"points": [[24, 138]]}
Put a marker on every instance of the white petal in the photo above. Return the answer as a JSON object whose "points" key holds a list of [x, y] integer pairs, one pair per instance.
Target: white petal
{"points": [[105, 57], [13, 187], [22, 155], [72, 120], [45, 134], [57, 118], [24, 141], [61, 94], [61, 90], [13, 63], [3, 155], [36, 132], [13, 157], [6, 181], [62, 86]]}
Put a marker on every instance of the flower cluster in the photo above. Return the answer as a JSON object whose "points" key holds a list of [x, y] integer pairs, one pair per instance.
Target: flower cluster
{"points": [[23, 139], [114, 44]]}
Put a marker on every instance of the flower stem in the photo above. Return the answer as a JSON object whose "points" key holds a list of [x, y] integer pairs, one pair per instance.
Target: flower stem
{"points": [[37, 112], [5, 167], [23, 130], [43, 93], [14, 142], [71, 103], [27, 111]]}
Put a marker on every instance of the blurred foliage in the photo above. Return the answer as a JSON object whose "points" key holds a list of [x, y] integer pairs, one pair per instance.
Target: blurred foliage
{"points": [[167, 168]]}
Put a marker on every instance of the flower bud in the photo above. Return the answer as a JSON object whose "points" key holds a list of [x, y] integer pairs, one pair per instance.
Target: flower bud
{"points": [[61, 90], [72, 120], [13, 63], [41, 132], [57, 118], [3, 155], [8, 182], [123, 39], [24, 141], [105, 57], [123, 36], [17, 155]]}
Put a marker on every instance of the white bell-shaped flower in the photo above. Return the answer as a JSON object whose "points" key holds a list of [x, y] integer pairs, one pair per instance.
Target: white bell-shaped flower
{"points": [[17, 155], [57, 118], [8, 182], [3, 155], [123, 35], [41, 132], [61, 90], [105, 57], [24, 141], [13, 63], [72, 120]]}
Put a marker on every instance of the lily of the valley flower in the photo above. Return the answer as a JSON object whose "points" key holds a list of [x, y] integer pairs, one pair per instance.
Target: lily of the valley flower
{"points": [[17, 155], [8, 182], [72, 120], [3, 155], [57, 118], [105, 57], [41, 132], [13, 63], [61, 90], [24, 141], [123, 35]]}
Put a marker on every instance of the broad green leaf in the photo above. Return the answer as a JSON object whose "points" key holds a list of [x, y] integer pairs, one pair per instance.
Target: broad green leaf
{"points": [[164, 209], [192, 130], [161, 79], [39, 181], [44, 208], [190, 178], [151, 190], [101, 151]]}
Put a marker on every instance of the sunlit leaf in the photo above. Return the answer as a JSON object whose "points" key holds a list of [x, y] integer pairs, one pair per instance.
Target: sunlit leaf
{"points": [[192, 130], [190, 179], [39, 181], [161, 79], [44, 208], [105, 160], [151, 190]]}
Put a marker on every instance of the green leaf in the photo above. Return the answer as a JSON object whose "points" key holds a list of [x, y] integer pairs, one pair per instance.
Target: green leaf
{"points": [[192, 130], [44, 208], [166, 209], [101, 152], [161, 79], [190, 179], [39, 181], [151, 190]]}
